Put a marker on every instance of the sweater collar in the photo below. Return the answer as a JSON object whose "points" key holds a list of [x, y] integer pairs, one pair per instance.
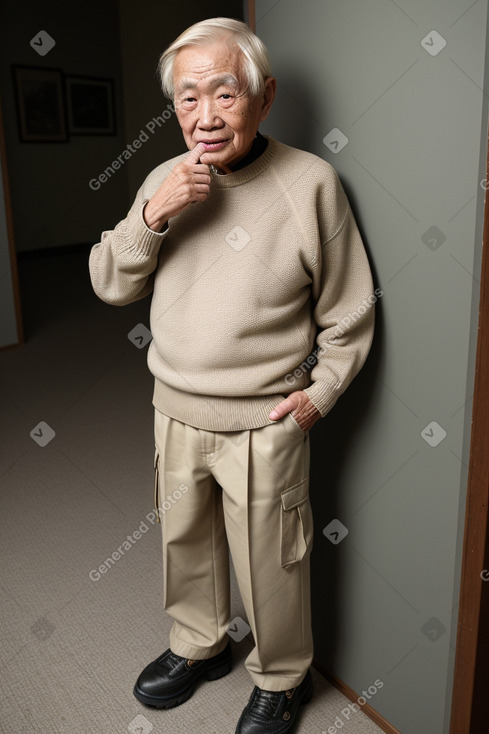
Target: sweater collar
{"points": [[254, 163]]}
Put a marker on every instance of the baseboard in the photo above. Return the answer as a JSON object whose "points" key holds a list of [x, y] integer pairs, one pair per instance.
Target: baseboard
{"points": [[352, 696]]}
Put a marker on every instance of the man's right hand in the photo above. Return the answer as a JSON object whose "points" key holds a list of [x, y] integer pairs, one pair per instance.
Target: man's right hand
{"points": [[188, 182]]}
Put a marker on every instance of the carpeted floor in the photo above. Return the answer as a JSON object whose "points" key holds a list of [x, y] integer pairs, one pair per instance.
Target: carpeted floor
{"points": [[74, 640]]}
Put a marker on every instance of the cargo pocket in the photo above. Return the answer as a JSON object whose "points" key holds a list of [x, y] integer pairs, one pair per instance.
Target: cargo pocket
{"points": [[156, 498], [296, 523]]}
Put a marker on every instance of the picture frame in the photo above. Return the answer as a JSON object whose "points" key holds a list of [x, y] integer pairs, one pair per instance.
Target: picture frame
{"points": [[39, 96], [90, 105]]}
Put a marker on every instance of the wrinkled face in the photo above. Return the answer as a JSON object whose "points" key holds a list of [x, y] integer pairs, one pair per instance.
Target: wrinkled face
{"points": [[212, 103]]}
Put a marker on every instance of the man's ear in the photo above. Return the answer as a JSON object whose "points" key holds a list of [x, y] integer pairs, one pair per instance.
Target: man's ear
{"points": [[268, 96]]}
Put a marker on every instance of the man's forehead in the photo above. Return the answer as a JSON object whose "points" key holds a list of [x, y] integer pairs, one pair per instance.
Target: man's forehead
{"points": [[208, 65]]}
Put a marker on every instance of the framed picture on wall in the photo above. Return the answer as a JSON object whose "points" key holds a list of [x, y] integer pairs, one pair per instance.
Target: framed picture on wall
{"points": [[90, 105], [40, 104]]}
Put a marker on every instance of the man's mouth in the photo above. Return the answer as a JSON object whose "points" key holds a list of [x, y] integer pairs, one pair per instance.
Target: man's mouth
{"points": [[214, 144]]}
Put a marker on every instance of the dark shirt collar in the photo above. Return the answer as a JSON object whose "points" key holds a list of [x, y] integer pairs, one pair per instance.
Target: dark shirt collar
{"points": [[257, 147]]}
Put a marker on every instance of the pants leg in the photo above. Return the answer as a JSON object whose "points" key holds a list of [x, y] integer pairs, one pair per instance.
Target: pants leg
{"points": [[269, 528], [196, 584]]}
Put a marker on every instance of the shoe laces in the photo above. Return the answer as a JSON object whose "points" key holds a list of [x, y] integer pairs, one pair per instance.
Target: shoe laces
{"points": [[266, 703], [171, 661]]}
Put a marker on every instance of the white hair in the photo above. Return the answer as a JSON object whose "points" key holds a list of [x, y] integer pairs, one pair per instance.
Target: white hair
{"points": [[256, 62]]}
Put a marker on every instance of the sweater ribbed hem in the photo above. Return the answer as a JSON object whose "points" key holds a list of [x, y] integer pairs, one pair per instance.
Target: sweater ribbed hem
{"points": [[214, 413]]}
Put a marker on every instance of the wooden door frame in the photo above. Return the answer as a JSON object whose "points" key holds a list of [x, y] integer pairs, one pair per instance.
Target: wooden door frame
{"points": [[471, 669], [10, 237]]}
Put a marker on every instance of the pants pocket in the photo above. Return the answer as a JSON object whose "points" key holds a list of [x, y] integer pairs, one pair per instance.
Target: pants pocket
{"points": [[296, 529], [291, 427]]}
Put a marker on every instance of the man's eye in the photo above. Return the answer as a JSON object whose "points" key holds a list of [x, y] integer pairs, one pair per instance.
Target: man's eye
{"points": [[226, 95]]}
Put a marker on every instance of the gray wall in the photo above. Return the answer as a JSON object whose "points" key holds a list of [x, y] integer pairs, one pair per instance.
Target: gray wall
{"points": [[385, 598]]}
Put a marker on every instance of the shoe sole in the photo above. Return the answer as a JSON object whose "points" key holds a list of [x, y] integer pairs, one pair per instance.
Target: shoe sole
{"points": [[160, 702]]}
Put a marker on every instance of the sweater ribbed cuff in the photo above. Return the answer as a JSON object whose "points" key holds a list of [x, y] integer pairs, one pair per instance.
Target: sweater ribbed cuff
{"points": [[323, 395], [142, 240], [144, 222]]}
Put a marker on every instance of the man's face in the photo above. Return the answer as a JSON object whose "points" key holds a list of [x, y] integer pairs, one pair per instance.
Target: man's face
{"points": [[213, 104]]}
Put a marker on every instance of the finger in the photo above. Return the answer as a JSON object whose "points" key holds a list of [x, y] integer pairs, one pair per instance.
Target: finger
{"points": [[195, 153], [281, 409], [202, 190], [200, 176]]}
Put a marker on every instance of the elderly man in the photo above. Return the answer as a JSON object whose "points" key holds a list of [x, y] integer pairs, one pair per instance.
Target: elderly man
{"points": [[261, 316]]}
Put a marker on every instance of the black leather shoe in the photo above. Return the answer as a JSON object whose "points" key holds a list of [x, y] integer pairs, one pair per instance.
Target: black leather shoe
{"points": [[274, 712], [170, 679]]}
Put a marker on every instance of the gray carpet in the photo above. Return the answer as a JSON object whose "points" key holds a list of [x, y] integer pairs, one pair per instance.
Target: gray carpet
{"points": [[72, 646]]}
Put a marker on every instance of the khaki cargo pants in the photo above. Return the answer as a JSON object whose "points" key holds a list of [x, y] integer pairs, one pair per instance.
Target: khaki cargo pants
{"points": [[246, 492]]}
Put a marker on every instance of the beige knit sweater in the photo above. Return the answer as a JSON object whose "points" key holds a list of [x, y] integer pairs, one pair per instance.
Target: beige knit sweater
{"points": [[260, 290]]}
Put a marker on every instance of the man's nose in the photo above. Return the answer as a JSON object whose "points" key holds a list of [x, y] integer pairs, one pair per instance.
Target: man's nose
{"points": [[209, 113]]}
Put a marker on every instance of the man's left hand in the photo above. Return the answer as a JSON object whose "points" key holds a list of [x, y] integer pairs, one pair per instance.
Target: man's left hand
{"points": [[302, 408]]}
